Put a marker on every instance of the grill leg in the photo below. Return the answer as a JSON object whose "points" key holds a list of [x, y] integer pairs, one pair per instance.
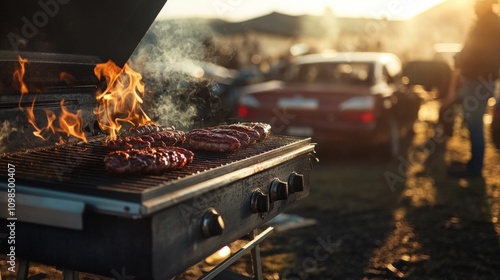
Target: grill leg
{"points": [[256, 260], [22, 271], [69, 274], [250, 246]]}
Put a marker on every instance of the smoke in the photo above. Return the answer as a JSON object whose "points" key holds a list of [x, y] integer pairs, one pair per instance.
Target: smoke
{"points": [[171, 58], [5, 130], [175, 40], [170, 114]]}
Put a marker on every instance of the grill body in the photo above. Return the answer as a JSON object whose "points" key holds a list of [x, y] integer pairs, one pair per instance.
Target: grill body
{"points": [[157, 232]]}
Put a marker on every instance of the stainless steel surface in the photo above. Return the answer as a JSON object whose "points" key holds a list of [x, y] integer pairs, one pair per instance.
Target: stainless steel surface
{"points": [[161, 227], [256, 259], [75, 172], [200, 188], [92, 202], [45, 210]]}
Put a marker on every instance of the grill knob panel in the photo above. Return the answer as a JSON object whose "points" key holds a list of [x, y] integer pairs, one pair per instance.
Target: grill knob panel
{"points": [[295, 182], [259, 202], [212, 224], [278, 190]]}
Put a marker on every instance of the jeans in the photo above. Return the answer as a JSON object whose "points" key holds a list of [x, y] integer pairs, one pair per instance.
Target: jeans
{"points": [[475, 96]]}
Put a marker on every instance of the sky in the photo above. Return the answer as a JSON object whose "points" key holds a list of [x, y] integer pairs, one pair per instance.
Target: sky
{"points": [[237, 10]]}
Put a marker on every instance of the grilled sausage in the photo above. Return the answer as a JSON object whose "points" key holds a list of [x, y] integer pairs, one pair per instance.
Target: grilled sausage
{"points": [[147, 161], [156, 139], [252, 133], [264, 129], [241, 136], [142, 130], [202, 139], [128, 143]]}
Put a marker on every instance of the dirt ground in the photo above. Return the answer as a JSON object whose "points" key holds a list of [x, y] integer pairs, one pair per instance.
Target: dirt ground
{"points": [[392, 219], [396, 219], [400, 219]]}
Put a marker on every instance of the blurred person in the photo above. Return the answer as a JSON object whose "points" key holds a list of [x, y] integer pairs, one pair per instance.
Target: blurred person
{"points": [[477, 65]]}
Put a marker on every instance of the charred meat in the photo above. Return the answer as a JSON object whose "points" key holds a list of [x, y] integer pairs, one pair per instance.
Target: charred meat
{"points": [[147, 161], [227, 138], [214, 142], [163, 138], [263, 129]]}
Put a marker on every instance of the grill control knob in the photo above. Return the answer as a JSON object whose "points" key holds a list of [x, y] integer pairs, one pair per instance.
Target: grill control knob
{"points": [[295, 182], [278, 190], [259, 202], [212, 223]]}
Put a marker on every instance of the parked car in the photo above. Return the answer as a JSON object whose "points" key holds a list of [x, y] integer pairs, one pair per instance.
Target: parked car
{"points": [[338, 99]]}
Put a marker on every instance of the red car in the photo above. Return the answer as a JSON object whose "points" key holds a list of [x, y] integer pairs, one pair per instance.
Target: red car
{"points": [[338, 99]]}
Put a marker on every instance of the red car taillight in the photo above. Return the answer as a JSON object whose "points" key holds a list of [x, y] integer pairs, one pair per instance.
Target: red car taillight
{"points": [[359, 109], [247, 104], [242, 111], [358, 116]]}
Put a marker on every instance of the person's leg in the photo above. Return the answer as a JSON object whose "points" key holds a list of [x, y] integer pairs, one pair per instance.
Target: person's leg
{"points": [[474, 106]]}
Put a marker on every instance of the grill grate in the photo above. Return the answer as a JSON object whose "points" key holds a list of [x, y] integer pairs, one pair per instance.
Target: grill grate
{"points": [[79, 168]]}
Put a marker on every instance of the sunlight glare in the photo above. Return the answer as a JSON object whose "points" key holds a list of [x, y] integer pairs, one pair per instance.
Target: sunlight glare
{"points": [[243, 10]]}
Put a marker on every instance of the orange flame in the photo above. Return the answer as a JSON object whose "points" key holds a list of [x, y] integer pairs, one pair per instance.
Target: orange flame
{"points": [[31, 119], [120, 102], [67, 78], [69, 123], [19, 77]]}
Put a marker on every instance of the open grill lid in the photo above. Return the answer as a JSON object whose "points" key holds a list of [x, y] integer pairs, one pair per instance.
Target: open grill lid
{"points": [[106, 29], [62, 37]]}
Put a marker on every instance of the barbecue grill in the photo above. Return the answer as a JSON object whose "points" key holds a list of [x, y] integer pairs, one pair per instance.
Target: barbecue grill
{"points": [[70, 212]]}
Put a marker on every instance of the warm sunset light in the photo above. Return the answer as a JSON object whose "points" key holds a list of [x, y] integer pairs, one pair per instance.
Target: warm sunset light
{"points": [[242, 10], [238, 139]]}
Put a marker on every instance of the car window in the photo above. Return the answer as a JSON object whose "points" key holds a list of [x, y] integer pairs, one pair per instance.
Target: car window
{"points": [[332, 73], [388, 77], [385, 75], [393, 67]]}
